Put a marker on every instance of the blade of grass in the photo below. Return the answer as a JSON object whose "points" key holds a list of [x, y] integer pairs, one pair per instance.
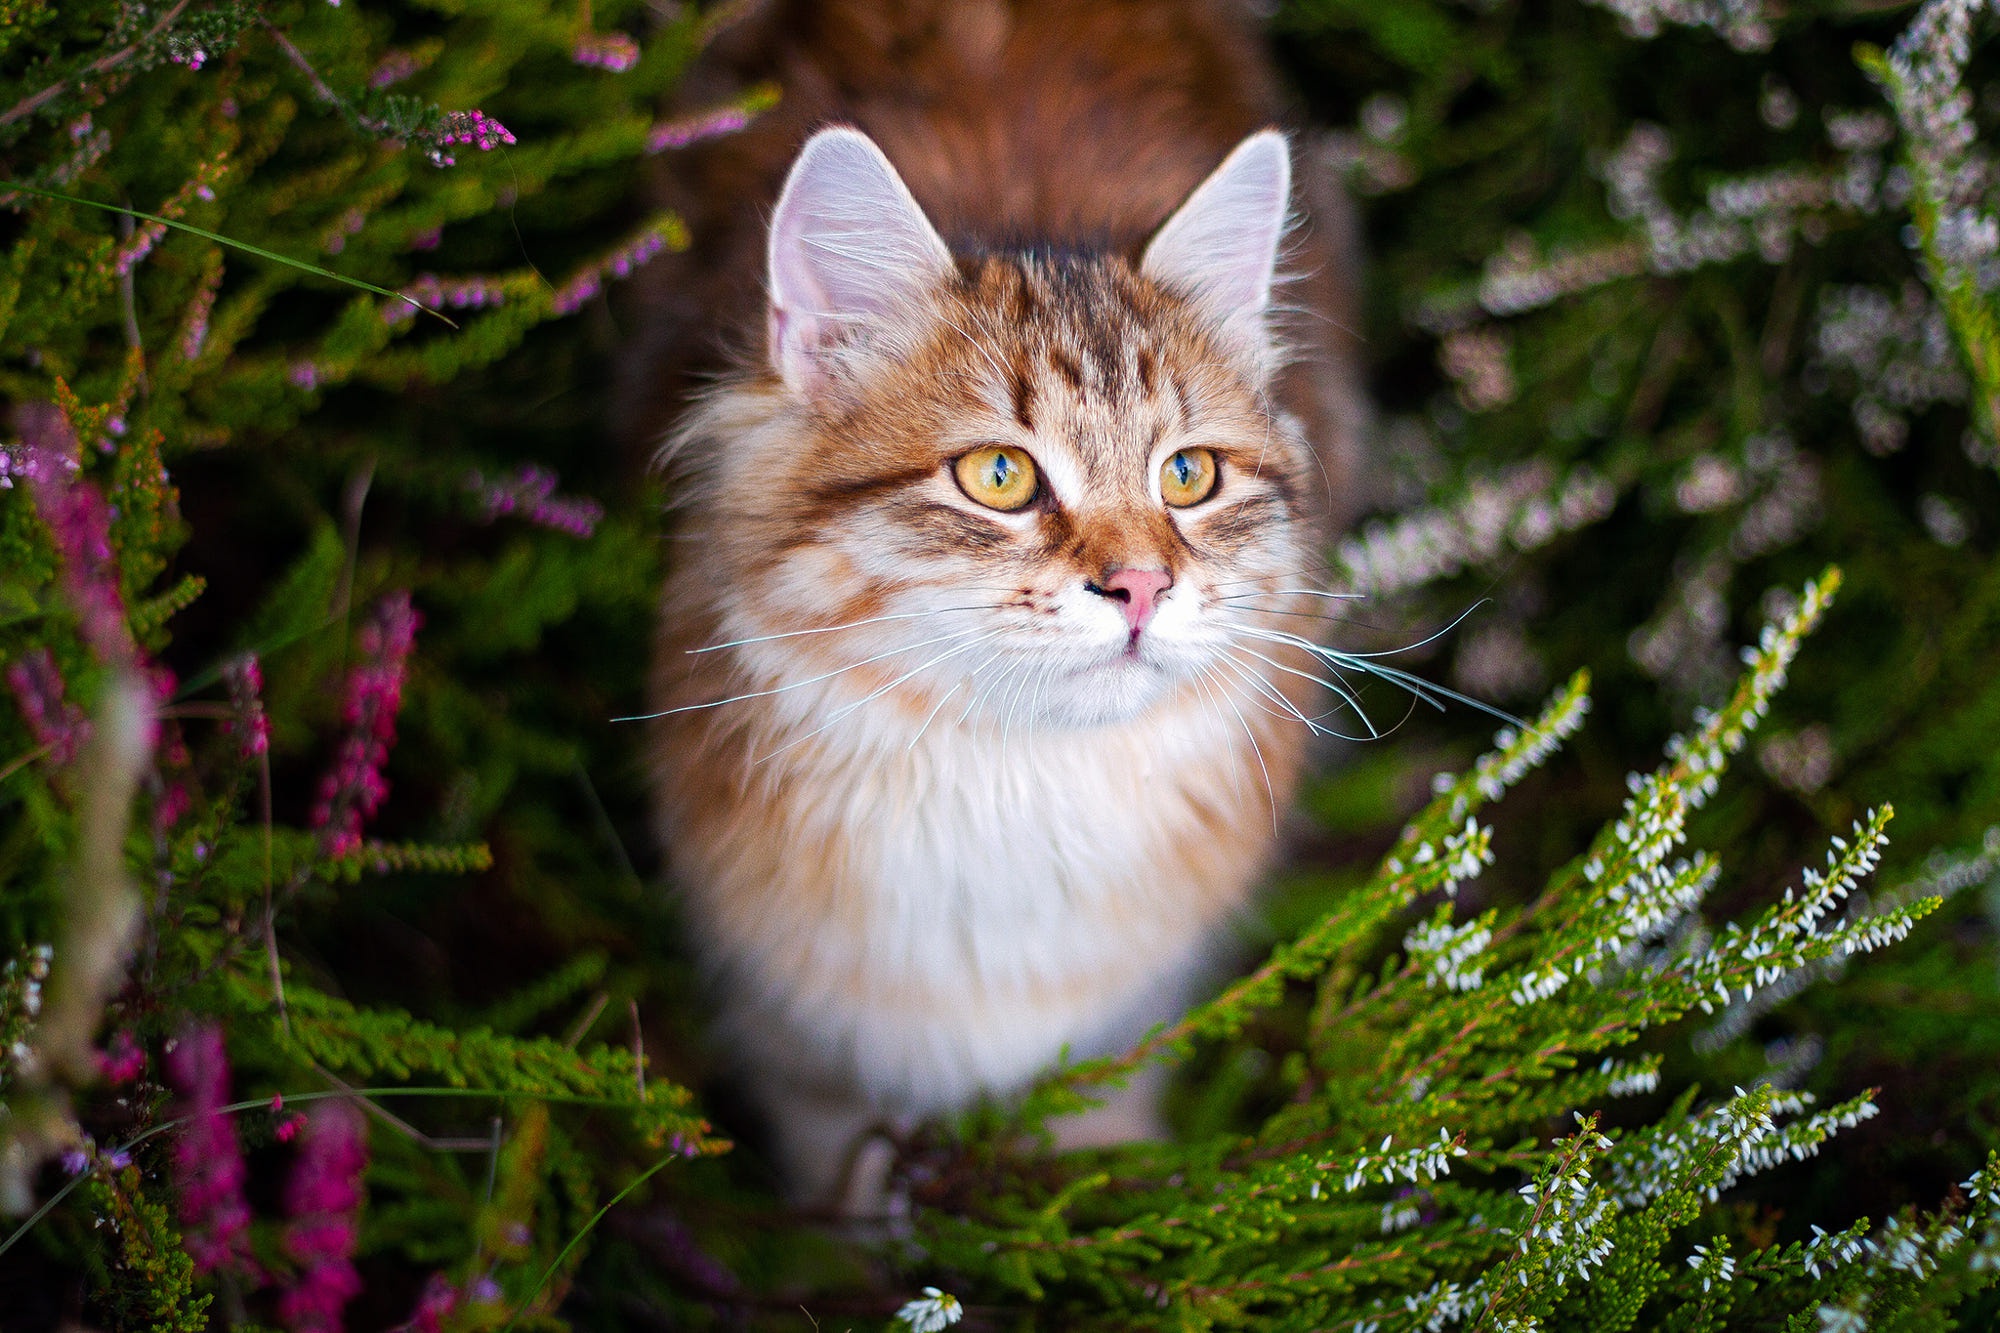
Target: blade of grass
{"points": [[244, 246], [254, 1103], [577, 1239]]}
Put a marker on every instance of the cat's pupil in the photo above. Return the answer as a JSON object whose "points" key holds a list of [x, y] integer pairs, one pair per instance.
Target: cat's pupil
{"points": [[1183, 469], [1002, 470]]}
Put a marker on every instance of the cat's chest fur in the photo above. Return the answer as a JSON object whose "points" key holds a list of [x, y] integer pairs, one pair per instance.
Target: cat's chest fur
{"points": [[936, 910]]}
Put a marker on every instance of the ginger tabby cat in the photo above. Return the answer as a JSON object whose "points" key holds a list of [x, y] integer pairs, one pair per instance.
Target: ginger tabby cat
{"points": [[975, 705]]}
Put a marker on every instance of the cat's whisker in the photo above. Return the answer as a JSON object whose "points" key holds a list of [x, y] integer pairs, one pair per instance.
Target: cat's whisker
{"points": [[1203, 675], [1338, 684], [1429, 638], [799, 684], [928, 717], [1417, 686], [1013, 702], [1348, 697], [1286, 710], [1250, 735], [1292, 592], [978, 347], [1315, 724], [1303, 615], [990, 689], [876, 694], [852, 624], [1316, 576]]}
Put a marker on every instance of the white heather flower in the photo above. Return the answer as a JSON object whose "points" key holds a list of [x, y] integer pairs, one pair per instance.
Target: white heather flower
{"points": [[934, 1311]]}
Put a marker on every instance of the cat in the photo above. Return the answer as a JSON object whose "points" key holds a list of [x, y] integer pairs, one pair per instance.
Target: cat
{"points": [[978, 691]]}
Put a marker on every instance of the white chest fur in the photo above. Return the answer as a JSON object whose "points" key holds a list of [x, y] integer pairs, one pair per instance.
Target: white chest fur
{"points": [[929, 916]]}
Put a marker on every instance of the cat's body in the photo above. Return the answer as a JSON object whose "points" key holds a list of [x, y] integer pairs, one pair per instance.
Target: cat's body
{"points": [[958, 775]]}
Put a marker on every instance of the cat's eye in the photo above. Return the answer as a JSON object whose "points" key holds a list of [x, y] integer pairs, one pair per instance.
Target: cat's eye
{"points": [[1187, 477], [998, 476]]}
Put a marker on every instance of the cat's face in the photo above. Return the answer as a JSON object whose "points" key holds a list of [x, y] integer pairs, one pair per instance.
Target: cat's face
{"points": [[1040, 490]]}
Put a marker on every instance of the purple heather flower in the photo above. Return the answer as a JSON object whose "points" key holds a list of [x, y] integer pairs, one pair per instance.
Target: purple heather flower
{"points": [[692, 129], [136, 249], [531, 492], [125, 1061], [80, 522], [438, 1300], [208, 1163], [194, 333], [392, 69], [476, 128], [246, 689], [606, 50], [304, 374], [323, 1199], [52, 720], [354, 788], [174, 802], [75, 1162]]}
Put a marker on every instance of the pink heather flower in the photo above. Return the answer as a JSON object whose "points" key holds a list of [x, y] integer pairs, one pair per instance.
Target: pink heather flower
{"points": [[194, 332], [125, 1061], [250, 726], [531, 492], [692, 129], [393, 69], [606, 50], [143, 240], [468, 127], [304, 374], [80, 522], [208, 1163], [354, 787], [174, 802], [323, 1198], [51, 719], [434, 1306]]}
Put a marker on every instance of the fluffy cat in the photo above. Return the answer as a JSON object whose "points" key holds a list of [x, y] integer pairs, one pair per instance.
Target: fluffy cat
{"points": [[975, 710]]}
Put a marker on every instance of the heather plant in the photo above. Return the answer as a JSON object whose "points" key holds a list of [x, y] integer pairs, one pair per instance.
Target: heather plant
{"points": [[336, 986]]}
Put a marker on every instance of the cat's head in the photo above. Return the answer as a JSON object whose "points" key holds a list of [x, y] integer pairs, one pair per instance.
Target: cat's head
{"points": [[1050, 485]]}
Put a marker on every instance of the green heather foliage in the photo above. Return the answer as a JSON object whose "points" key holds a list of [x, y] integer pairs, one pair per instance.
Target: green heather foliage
{"points": [[321, 582]]}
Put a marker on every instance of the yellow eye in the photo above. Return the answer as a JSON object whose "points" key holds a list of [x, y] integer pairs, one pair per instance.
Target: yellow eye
{"points": [[1187, 477], [997, 476]]}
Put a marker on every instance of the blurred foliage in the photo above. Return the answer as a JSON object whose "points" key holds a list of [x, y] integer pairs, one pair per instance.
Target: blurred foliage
{"points": [[1670, 304]]}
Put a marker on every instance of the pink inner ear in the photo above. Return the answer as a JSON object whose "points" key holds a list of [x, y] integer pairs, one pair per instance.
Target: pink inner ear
{"points": [[848, 244], [1221, 246]]}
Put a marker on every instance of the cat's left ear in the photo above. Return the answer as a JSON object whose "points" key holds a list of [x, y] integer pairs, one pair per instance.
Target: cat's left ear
{"points": [[849, 245], [1221, 246]]}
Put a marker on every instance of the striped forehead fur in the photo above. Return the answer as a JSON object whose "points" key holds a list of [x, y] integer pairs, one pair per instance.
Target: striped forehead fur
{"points": [[1009, 334]]}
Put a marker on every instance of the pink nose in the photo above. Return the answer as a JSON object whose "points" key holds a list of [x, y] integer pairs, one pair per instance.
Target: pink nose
{"points": [[1138, 589]]}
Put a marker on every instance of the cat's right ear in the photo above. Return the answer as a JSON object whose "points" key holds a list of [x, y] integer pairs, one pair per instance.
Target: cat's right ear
{"points": [[849, 244]]}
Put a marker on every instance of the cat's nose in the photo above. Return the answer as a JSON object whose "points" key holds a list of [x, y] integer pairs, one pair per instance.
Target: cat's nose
{"points": [[1138, 589]]}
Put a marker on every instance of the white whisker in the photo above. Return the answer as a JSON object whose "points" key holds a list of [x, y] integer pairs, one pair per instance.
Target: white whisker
{"points": [[867, 698], [1257, 750], [830, 629], [1351, 701], [1286, 711], [1202, 677], [799, 684], [1417, 686], [1338, 684]]}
